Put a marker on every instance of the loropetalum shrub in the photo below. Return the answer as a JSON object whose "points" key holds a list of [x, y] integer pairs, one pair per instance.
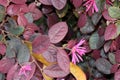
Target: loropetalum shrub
{"points": [[59, 39]]}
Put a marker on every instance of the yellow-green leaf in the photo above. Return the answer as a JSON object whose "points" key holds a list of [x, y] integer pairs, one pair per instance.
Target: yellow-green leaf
{"points": [[40, 58], [77, 72]]}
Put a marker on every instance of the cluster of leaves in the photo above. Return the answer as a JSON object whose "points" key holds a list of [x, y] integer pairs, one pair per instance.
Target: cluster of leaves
{"points": [[36, 38]]}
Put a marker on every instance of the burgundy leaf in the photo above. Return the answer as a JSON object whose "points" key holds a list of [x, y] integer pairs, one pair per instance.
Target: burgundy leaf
{"points": [[117, 56], [77, 3], [12, 71], [107, 16], [96, 54], [117, 75], [110, 32], [29, 74], [57, 32], [114, 68], [6, 64], [5, 3], [63, 60], [47, 9], [14, 9], [52, 19], [40, 44], [22, 21], [46, 2], [2, 48], [36, 13], [71, 43], [19, 1], [51, 54], [82, 20], [54, 71], [59, 4], [107, 46]]}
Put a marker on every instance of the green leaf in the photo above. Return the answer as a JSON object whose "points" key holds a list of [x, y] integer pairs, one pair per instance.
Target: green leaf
{"points": [[63, 12], [114, 12], [2, 13], [13, 28], [95, 41]]}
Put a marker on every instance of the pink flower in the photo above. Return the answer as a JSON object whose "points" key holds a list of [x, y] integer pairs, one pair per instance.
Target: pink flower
{"points": [[78, 51], [91, 4], [23, 70]]}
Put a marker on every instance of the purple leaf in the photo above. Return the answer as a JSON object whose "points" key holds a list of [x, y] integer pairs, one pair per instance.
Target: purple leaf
{"points": [[59, 4], [40, 43], [6, 64], [63, 60], [57, 32]]}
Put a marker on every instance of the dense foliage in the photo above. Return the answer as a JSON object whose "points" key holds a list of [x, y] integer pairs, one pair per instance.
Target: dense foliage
{"points": [[59, 40]]}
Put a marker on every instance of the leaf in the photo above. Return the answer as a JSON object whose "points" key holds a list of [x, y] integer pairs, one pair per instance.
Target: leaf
{"points": [[57, 32], [54, 71], [107, 16], [117, 75], [111, 57], [107, 46], [22, 21], [46, 2], [2, 76], [12, 71], [114, 12], [29, 74], [95, 41], [59, 4], [62, 13], [40, 58], [77, 3], [82, 20], [13, 28], [2, 48], [40, 44], [103, 65], [63, 60], [88, 27], [19, 1], [110, 32], [77, 72], [23, 54], [51, 54], [4, 3], [6, 64], [117, 56], [2, 13], [29, 17]]}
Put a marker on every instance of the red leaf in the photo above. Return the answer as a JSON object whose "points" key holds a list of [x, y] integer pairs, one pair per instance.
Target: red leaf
{"points": [[57, 32], [5, 3], [107, 16], [117, 75], [82, 20], [59, 4], [52, 19], [51, 54], [114, 68], [117, 56], [19, 1], [54, 71], [12, 71], [29, 74], [40, 44], [46, 2], [63, 60], [14, 9], [77, 3], [2, 48], [36, 13], [6, 64], [22, 21], [110, 32], [96, 54]]}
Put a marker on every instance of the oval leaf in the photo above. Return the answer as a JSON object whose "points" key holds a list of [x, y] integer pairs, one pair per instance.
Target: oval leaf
{"points": [[77, 72], [57, 32], [63, 60]]}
